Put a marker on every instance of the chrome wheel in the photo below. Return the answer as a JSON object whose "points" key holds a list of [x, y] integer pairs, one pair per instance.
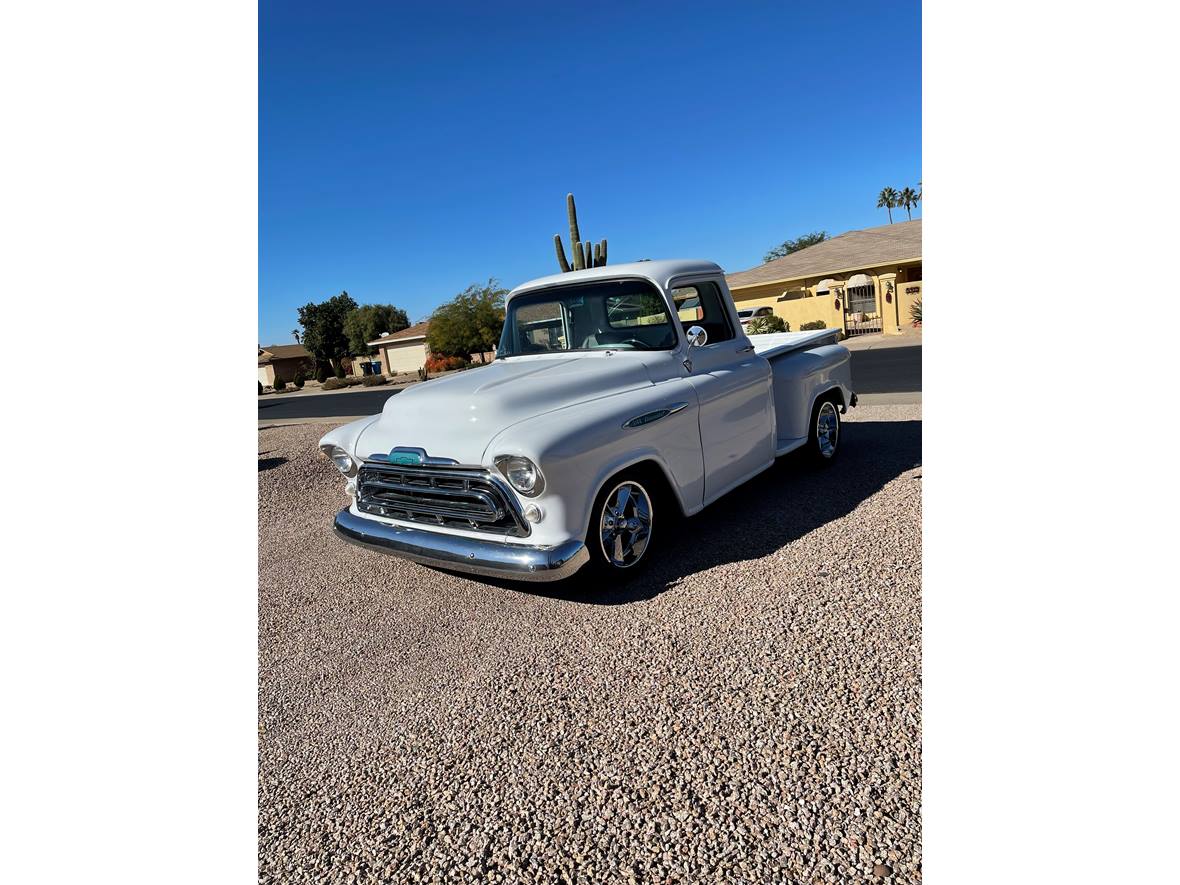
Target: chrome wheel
{"points": [[624, 527], [827, 429]]}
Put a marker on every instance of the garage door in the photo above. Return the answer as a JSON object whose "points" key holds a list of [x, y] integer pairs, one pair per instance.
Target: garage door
{"points": [[406, 358]]}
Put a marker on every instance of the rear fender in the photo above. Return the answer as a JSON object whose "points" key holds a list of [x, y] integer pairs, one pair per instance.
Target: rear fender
{"points": [[800, 378]]}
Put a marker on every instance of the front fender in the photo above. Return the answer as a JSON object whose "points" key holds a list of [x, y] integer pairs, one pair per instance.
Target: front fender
{"points": [[579, 447]]}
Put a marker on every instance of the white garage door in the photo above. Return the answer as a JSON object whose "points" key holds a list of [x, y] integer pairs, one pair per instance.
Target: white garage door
{"points": [[406, 357]]}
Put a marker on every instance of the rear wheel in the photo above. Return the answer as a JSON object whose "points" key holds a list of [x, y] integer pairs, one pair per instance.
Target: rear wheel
{"points": [[622, 524], [824, 437]]}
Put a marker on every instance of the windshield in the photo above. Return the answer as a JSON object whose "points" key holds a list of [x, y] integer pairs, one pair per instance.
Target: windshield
{"points": [[608, 315]]}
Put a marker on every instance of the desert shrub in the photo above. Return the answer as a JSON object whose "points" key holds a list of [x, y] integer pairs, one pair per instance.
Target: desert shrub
{"points": [[916, 313], [321, 373], [766, 325], [334, 384], [280, 384], [422, 374], [814, 324], [352, 380], [298, 379], [444, 363], [340, 370], [373, 380]]}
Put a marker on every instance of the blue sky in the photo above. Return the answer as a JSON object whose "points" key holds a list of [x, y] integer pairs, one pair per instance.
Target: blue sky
{"points": [[408, 150]]}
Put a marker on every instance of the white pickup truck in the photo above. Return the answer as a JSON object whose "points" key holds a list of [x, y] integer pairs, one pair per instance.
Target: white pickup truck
{"points": [[620, 396]]}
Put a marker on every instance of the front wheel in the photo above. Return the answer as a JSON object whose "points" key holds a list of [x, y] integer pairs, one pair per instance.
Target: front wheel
{"points": [[622, 525], [824, 437]]}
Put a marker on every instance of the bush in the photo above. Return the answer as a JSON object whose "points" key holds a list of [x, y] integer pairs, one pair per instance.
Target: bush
{"points": [[373, 380], [321, 373], [916, 313], [814, 324], [260, 388], [298, 379], [422, 376], [766, 325], [444, 363], [334, 384], [279, 384], [352, 380], [340, 370]]}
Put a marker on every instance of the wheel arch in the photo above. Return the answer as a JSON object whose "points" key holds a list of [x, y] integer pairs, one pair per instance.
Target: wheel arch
{"points": [[643, 461]]}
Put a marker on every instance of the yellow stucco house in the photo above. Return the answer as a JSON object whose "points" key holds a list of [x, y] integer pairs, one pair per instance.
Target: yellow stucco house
{"points": [[862, 281]]}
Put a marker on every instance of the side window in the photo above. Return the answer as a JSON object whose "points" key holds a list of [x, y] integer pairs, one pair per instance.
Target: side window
{"points": [[701, 305]]}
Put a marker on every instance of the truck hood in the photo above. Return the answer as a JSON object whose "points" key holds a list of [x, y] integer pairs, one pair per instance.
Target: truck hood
{"points": [[459, 415]]}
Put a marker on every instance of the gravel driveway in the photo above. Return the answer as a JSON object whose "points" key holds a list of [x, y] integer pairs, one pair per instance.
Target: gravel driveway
{"points": [[749, 710]]}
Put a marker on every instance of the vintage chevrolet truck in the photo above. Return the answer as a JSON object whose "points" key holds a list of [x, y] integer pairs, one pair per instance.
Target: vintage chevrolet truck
{"points": [[620, 396]]}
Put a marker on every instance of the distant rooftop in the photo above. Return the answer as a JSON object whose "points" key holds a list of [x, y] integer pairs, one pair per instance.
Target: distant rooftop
{"points": [[281, 352], [850, 251], [418, 330]]}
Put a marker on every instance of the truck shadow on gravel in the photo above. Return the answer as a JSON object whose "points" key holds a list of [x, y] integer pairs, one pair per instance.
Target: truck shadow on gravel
{"points": [[781, 505]]}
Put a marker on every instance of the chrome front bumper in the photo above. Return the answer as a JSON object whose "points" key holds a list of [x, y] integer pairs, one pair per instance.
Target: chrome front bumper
{"points": [[498, 559]]}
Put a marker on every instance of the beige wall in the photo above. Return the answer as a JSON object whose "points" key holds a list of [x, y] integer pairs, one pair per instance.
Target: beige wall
{"points": [[408, 357], [906, 296]]}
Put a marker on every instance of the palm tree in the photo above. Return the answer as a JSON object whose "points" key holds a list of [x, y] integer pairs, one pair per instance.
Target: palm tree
{"points": [[295, 332], [887, 200], [909, 199]]}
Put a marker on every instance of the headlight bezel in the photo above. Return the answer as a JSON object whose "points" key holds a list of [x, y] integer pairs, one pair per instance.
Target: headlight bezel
{"points": [[504, 463], [336, 454]]}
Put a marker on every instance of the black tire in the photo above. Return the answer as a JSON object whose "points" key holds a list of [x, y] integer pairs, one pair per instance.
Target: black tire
{"points": [[823, 442], [604, 561]]}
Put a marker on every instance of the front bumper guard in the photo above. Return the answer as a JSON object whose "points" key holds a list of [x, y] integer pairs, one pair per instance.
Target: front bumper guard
{"points": [[497, 559]]}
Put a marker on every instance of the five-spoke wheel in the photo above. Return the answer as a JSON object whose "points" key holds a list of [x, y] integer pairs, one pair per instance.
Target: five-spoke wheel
{"points": [[624, 524], [825, 430]]}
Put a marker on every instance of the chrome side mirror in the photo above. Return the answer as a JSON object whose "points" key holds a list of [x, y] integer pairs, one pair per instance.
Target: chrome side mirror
{"points": [[697, 337]]}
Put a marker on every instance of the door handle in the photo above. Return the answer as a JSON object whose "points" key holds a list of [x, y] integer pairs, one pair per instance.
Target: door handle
{"points": [[749, 348]]}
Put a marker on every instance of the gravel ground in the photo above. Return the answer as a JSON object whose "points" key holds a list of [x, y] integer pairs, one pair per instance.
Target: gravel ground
{"points": [[749, 710]]}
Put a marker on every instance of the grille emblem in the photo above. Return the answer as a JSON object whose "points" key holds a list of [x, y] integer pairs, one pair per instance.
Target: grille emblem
{"points": [[406, 456]]}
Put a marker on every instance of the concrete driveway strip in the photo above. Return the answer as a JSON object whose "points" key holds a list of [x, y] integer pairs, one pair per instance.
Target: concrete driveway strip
{"points": [[749, 710]]}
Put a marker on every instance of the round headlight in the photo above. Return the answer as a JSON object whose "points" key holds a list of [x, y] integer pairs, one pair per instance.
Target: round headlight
{"points": [[341, 459], [522, 474]]}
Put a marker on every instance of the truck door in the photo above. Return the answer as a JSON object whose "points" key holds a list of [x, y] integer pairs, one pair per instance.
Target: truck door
{"points": [[733, 386]]}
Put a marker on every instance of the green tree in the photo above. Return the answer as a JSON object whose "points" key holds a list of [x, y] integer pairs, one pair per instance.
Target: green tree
{"points": [[789, 246], [470, 323], [908, 198], [323, 328], [369, 322], [887, 200]]}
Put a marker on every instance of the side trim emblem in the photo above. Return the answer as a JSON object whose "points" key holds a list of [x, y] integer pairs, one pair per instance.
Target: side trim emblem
{"points": [[651, 417]]}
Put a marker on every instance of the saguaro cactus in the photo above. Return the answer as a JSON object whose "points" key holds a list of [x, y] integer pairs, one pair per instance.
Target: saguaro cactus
{"points": [[585, 254]]}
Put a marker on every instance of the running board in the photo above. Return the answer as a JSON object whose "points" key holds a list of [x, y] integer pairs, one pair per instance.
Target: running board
{"points": [[782, 446]]}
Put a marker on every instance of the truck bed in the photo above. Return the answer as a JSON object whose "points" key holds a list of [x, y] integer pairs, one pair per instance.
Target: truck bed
{"points": [[780, 343], [803, 364]]}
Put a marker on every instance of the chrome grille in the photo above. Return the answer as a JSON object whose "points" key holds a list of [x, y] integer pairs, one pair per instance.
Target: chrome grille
{"points": [[457, 497]]}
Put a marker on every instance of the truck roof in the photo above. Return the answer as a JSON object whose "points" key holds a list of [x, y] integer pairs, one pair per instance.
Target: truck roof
{"points": [[659, 272]]}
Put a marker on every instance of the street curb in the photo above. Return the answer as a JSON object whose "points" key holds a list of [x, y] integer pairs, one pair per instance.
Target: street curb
{"points": [[288, 422], [890, 399]]}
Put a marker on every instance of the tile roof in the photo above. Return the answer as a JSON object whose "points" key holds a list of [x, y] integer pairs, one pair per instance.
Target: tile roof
{"points": [[418, 330], [850, 251]]}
